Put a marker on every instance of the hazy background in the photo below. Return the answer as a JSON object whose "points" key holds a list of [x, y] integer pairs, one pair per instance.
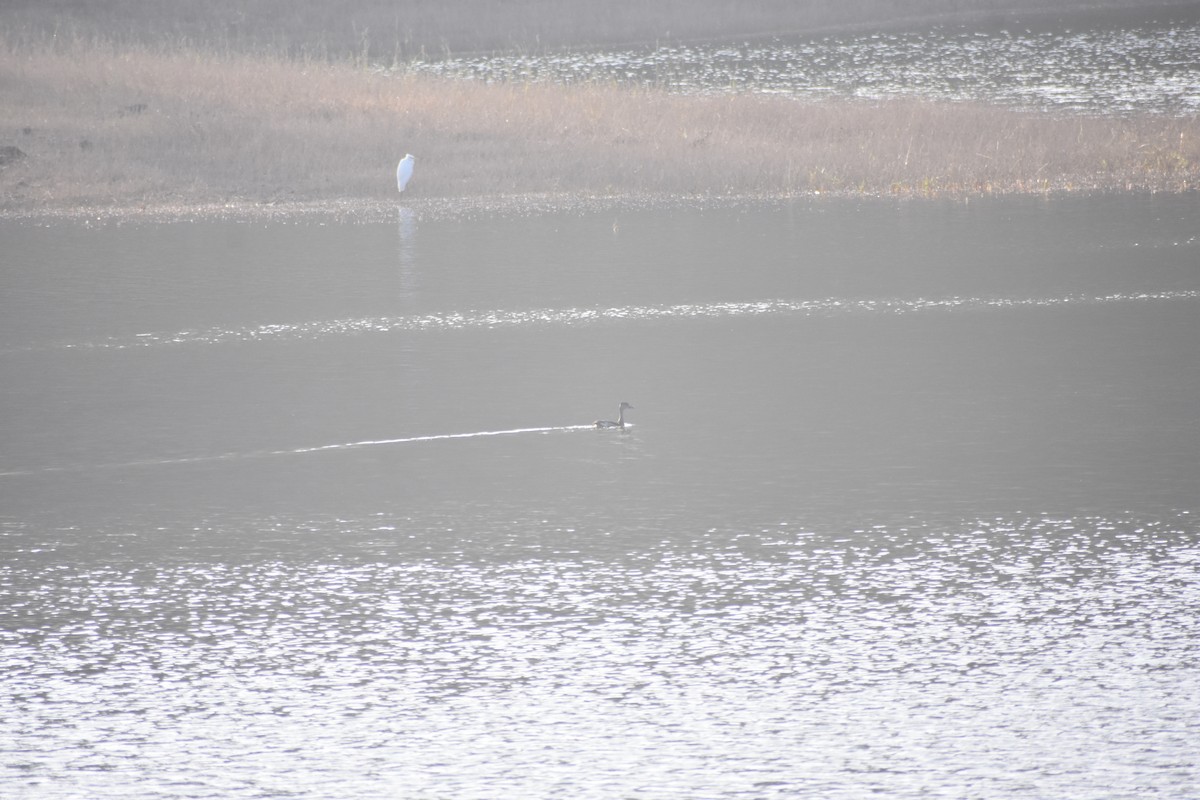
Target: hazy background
{"points": [[383, 30]]}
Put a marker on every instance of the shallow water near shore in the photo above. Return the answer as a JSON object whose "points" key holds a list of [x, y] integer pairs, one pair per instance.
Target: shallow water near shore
{"points": [[907, 504]]}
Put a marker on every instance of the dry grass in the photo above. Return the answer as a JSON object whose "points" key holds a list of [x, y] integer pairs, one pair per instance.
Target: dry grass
{"points": [[107, 125]]}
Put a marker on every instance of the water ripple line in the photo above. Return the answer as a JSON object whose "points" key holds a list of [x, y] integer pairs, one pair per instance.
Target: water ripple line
{"points": [[496, 319]]}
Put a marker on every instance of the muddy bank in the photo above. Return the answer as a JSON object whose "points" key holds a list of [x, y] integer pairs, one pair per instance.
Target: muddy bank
{"points": [[362, 211], [375, 211]]}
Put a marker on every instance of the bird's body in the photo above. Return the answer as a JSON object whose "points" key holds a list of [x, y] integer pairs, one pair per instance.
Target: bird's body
{"points": [[404, 171], [620, 421]]}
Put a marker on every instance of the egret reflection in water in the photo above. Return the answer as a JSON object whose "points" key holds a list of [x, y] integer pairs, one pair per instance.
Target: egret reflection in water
{"points": [[407, 229]]}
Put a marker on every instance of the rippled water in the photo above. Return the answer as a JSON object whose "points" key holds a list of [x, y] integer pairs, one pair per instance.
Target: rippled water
{"points": [[1025, 657], [1090, 66], [578, 316], [317, 511]]}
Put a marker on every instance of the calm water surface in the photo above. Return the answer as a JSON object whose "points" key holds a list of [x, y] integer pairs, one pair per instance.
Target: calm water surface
{"points": [[908, 506]]}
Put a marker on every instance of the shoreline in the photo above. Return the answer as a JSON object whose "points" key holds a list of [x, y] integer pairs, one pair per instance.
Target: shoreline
{"points": [[371, 211], [376, 211]]}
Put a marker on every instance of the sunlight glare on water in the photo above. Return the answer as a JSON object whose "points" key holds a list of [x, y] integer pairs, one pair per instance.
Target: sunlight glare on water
{"points": [[911, 661], [1079, 65]]}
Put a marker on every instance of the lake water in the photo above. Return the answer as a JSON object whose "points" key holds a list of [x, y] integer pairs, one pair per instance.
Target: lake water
{"points": [[908, 505], [1086, 62]]}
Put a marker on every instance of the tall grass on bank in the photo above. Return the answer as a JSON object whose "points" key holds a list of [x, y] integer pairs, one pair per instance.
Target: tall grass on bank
{"points": [[101, 124]]}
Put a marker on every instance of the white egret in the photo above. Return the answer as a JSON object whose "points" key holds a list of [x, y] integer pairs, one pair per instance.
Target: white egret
{"points": [[404, 171], [620, 423]]}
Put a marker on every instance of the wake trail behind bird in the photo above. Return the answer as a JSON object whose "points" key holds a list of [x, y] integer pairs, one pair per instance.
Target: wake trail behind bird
{"points": [[297, 451]]}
